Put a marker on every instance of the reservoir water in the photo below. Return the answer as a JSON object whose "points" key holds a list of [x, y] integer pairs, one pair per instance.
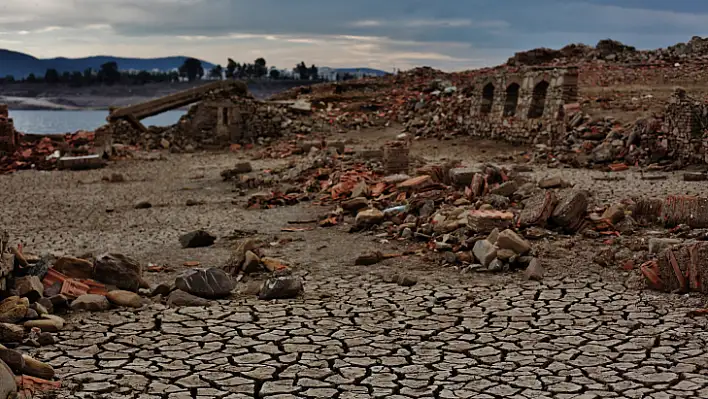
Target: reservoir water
{"points": [[60, 122]]}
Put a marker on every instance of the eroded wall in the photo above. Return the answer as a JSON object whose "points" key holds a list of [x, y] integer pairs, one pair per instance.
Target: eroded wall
{"points": [[525, 107], [8, 135]]}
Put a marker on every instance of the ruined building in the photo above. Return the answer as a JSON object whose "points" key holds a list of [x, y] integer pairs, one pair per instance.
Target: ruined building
{"points": [[9, 137], [523, 107], [686, 128]]}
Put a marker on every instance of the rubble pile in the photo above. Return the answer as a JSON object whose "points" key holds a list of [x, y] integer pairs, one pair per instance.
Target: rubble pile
{"points": [[50, 152], [612, 51]]}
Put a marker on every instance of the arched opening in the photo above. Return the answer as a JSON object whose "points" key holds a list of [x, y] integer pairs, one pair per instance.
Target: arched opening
{"points": [[487, 99], [512, 99], [538, 100]]}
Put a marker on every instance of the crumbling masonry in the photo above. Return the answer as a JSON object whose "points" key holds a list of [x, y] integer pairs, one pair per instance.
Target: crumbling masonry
{"points": [[686, 125], [524, 108], [8, 135]]}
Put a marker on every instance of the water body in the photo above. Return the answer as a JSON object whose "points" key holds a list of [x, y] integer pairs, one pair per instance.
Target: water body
{"points": [[60, 122]]}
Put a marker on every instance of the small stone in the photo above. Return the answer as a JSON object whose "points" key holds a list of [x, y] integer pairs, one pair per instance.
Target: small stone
{"points": [[142, 205], [91, 302], [44, 304], [534, 271], [355, 204], [369, 259], [29, 287], [252, 263], [8, 387], [180, 298], [406, 280], [47, 324], [125, 298], [191, 202], [656, 245], [449, 257], [508, 239], [505, 254], [407, 233], [206, 283], [163, 289], [59, 301], [46, 338], [197, 239], [493, 236], [39, 308], [506, 189], [36, 368], [283, 287], [13, 309], [615, 213], [31, 314], [485, 252], [74, 267], [552, 182], [119, 270], [53, 289], [369, 217], [11, 333], [496, 266]]}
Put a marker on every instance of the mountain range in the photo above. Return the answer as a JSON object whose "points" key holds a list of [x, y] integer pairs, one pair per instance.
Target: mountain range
{"points": [[20, 65]]}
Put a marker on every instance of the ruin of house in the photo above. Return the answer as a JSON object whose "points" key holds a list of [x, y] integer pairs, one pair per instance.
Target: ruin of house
{"points": [[685, 124], [8, 135], [525, 107]]}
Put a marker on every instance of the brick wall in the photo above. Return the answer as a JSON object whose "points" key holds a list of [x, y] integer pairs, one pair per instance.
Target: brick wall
{"points": [[686, 128], [8, 135]]}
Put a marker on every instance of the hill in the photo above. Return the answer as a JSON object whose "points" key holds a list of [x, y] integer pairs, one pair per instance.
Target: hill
{"points": [[367, 71], [21, 65]]}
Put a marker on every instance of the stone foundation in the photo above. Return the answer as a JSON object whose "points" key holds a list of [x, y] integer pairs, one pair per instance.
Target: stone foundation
{"points": [[8, 135]]}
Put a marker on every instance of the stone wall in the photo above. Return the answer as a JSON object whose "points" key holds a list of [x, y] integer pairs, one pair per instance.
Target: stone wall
{"points": [[686, 128], [525, 107], [8, 135]]}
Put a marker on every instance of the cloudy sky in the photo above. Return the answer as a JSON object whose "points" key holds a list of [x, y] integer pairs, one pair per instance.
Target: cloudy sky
{"points": [[447, 34]]}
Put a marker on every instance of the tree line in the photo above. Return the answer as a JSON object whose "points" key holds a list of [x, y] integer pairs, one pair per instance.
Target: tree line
{"points": [[191, 70]]}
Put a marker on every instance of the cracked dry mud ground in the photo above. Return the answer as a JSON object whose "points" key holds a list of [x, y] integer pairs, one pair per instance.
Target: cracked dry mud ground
{"points": [[579, 334]]}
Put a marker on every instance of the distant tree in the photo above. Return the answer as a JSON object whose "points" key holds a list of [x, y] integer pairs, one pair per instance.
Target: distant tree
{"points": [[109, 74], [31, 78], [143, 77], [88, 76], [76, 80], [9, 79], [313, 72], [274, 73], [216, 72], [302, 70], [260, 68], [231, 67], [51, 76], [191, 69], [65, 77]]}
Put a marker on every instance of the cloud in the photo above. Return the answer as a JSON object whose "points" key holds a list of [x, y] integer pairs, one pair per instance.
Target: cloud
{"points": [[449, 34]]}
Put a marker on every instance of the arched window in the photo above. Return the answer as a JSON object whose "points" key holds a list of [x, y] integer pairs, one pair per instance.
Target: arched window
{"points": [[512, 99], [538, 100], [487, 99]]}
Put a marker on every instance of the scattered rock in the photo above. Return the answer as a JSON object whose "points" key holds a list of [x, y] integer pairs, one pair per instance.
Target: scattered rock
{"points": [[506, 189], [238, 256], [369, 259], [119, 270], [11, 332], [355, 204], [656, 245], [534, 271], [125, 298], [369, 217], [142, 205], [281, 287], [206, 283], [505, 254], [252, 263], [163, 289], [180, 298], [493, 236], [39, 308], [570, 211], [615, 213], [13, 309], [496, 266], [538, 209], [29, 287], [191, 202], [49, 323], [508, 239], [116, 178], [74, 267], [91, 302], [405, 280], [485, 252], [606, 257], [8, 387], [552, 182], [31, 314], [36, 368], [197, 239]]}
